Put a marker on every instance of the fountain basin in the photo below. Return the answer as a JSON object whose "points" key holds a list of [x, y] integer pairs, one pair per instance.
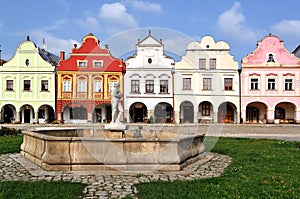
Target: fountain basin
{"points": [[93, 149]]}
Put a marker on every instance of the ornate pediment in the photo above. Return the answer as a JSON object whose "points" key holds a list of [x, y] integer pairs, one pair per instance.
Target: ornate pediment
{"points": [[271, 50]]}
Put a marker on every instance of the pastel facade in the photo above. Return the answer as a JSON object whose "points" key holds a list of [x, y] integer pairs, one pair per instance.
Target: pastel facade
{"points": [[28, 85], [270, 84], [207, 84], [148, 91], [85, 81]]}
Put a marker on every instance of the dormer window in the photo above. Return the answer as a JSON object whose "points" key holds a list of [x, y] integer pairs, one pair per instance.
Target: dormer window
{"points": [[271, 58], [82, 64], [98, 64]]}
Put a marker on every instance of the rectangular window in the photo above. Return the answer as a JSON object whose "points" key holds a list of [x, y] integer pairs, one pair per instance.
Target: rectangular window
{"points": [[202, 63], [26, 85], [271, 84], [149, 86], [254, 84], [135, 86], [97, 86], [164, 86], [212, 63], [81, 86], [82, 64], [288, 84], [98, 64], [206, 109], [44, 85], [112, 85], [66, 86], [187, 84], [228, 84], [9, 85], [206, 83]]}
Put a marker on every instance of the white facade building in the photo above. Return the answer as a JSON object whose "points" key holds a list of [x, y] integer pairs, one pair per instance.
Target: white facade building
{"points": [[207, 84], [148, 93]]}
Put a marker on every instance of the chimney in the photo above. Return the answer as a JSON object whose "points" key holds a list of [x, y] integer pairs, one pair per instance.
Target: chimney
{"points": [[62, 55]]}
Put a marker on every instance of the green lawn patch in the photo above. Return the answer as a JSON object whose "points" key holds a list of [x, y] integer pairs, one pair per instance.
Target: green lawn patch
{"points": [[36, 189], [10, 144], [40, 189], [260, 169]]}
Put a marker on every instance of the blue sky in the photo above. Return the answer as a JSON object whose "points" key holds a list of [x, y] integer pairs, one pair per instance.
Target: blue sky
{"points": [[120, 23]]}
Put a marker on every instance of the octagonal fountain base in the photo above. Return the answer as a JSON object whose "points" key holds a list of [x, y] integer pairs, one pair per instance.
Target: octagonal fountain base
{"points": [[71, 149]]}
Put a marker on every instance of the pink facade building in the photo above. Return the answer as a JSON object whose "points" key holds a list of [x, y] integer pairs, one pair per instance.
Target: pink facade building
{"points": [[270, 84]]}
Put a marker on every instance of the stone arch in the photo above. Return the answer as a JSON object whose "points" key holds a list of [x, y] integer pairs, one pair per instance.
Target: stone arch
{"points": [[186, 112], [205, 112], [75, 112], [138, 112], [27, 113], [8, 113], [46, 114], [227, 113], [285, 112], [102, 113], [163, 113], [256, 112]]}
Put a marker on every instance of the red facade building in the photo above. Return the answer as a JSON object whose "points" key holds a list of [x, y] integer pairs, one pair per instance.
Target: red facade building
{"points": [[85, 81]]}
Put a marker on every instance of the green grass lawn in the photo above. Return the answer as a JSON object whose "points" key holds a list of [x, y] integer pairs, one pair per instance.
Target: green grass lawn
{"points": [[38, 189], [260, 169], [10, 144]]}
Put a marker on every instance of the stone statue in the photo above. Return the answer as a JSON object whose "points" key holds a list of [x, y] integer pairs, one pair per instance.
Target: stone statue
{"points": [[116, 106], [116, 111]]}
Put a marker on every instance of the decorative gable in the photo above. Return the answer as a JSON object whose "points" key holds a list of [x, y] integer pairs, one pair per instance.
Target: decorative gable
{"points": [[271, 51], [90, 56], [149, 41]]}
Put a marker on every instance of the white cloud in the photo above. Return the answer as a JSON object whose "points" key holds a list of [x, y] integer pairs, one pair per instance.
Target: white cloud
{"points": [[112, 18], [117, 14], [89, 22], [232, 23], [145, 6], [287, 28], [53, 43]]}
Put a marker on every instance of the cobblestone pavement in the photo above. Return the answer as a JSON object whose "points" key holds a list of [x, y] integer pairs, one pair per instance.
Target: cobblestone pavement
{"points": [[13, 167]]}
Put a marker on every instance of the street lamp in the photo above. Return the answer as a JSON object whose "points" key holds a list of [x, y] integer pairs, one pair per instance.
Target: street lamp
{"points": [[173, 72]]}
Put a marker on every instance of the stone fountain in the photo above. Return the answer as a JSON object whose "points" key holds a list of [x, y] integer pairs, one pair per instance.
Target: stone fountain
{"points": [[115, 146]]}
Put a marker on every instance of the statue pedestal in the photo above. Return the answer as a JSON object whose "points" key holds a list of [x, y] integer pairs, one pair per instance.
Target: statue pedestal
{"points": [[116, 130]]}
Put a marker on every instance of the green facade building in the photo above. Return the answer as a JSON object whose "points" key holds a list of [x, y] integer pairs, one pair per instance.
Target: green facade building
{"points": [[27, 83]]}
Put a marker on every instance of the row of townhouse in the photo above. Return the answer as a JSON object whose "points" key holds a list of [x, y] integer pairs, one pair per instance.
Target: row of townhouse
{"points": [[205, 86]]}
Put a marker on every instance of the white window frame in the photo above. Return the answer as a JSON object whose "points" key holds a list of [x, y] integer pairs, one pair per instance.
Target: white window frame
{"points": [[95, 62], [82, 63], [98, 86], [293, 84], [81, 86], [67, 85], [250, 83], [271, 83], [183, 83], [112, 85]]}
